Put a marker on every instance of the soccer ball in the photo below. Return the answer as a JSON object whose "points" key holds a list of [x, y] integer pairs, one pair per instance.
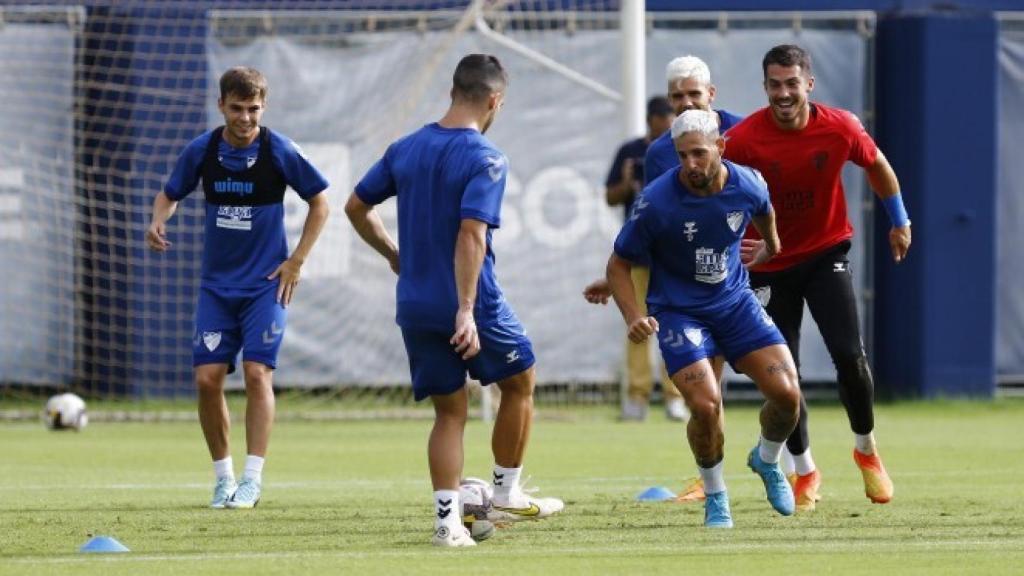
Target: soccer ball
{"points": [[65, 412], [475, 495]]}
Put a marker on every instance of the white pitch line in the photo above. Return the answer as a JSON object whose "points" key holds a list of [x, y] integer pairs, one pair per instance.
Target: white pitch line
{"points": [[674, 550], [597, 481]]}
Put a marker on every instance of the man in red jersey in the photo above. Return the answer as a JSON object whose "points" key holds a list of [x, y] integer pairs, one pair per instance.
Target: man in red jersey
{"points": [[800, 148]]}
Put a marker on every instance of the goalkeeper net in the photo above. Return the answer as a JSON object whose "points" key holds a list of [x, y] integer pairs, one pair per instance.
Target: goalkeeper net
{"points": [[99, 100]]}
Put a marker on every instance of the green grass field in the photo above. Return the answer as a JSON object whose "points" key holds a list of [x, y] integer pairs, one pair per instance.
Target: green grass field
{"points": [[354, 497]]}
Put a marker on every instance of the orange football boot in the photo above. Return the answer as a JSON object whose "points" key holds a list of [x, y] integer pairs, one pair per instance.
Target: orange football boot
{"points": [[877, 485]]}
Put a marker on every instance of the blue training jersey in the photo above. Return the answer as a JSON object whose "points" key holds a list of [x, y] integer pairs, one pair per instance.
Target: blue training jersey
{"points": [[662, 156], [244, 244], [690, 242], [440, 176]]}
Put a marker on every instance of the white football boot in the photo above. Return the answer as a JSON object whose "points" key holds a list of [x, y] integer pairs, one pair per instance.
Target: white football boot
{"points": [[452, 537], [223, 491], [522, 505]]}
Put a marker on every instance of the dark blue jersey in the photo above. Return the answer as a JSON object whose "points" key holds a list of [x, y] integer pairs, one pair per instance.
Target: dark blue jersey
{"points": [[662, 156], [244, 242], [440, 177], [691, 243]]}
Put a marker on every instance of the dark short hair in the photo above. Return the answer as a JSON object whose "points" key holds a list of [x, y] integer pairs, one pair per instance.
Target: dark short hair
{"points": [[787, 55], [244, 83], [659, 106], [477, 77]]}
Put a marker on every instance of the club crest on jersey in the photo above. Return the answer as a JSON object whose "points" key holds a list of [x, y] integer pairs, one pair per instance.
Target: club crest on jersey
{"points": [[495, 168], [735, 220], [689, 228], [694, 335], [250, 161], [211, 340]]}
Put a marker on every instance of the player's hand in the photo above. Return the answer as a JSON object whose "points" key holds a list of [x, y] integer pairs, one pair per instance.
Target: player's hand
{"points": [[753, 252], [628, 169], [466, 339], [642, 328], [393, 262], [156, 237], [899, 241], [597, 292], [288, 272]]}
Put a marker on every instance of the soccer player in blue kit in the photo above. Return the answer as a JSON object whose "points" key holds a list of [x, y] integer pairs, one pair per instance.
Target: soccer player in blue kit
{"points": [[687, 228], [689, 88], [449, 181], [248, 278]]}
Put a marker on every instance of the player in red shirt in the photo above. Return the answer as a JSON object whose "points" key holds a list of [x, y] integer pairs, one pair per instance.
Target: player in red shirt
{"points": [[800, 148]]}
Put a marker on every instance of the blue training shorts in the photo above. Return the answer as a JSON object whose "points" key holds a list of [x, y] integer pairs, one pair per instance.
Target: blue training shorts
{"points": [[437, 370], [735, 331], [233, 319]]}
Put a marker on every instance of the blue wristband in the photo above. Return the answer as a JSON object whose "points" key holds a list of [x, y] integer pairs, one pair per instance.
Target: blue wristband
{"points": [[896, 210]]}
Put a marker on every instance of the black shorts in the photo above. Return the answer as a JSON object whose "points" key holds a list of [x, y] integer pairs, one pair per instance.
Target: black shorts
{"points": [[826, 283]]}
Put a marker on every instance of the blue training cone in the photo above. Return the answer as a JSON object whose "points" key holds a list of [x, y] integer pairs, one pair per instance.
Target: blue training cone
{"points": [[103, 544], [656, 494]]}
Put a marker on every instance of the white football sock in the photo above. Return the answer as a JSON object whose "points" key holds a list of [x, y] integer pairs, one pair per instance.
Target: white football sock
{"points": [[804, 463], [506, 483], [253, 468], [714, 480], [769, 451], [223, 468], [447, 511], [865, 443], [786, 461]]}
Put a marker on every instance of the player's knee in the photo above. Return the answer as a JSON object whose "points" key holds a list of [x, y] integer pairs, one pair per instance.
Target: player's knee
{"points": [[520, 385], [705, 407], [257, 376], [209, 383]]}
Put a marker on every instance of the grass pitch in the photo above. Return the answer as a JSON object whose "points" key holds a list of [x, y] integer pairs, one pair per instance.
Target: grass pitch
{"points": [[354, 497]]}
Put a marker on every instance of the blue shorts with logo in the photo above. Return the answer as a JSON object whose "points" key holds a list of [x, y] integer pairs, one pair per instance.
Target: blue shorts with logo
{"points": [[437, 370], [735, 331], [232, 319]]}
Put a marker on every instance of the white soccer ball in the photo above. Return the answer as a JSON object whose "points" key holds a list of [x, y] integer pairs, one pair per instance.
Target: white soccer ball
{"points": [[65, 412], [475, 495]]}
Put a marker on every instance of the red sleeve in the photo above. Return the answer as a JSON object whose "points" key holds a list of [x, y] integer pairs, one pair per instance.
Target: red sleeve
{"points": [[735, 150], [863, 149]]}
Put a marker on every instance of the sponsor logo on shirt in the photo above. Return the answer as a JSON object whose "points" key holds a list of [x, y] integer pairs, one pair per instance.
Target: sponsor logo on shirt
{"points": [[840, 266], [230, 186], [234, 217], [712, 267]]}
